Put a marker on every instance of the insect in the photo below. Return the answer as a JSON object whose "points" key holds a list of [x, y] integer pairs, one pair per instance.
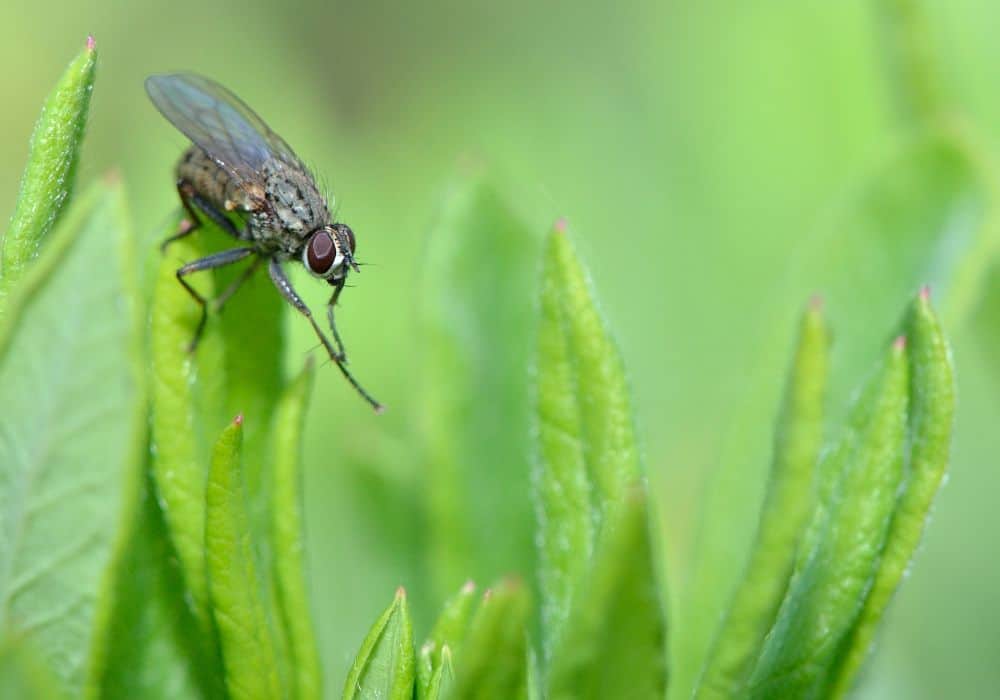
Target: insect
{"points": [[243, 177]]}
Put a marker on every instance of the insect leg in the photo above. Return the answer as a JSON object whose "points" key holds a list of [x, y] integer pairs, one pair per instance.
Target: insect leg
{"points": [[333, 325], [285, 287], [236, 284], [191, 201], [210, 262], [191, 223]]}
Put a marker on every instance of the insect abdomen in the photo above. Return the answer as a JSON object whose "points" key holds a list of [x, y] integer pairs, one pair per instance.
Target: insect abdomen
{"points": [[208, 179]]}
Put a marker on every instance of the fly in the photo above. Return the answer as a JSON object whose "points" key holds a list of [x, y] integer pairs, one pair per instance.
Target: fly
{"points": [[237, 166]]}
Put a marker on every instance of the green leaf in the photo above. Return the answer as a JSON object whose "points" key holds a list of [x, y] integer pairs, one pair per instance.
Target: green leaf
{"points": [[843, 544], [473, 352], [384, 666], [251, 668], [71, 435], [448, 633], [587, 454], [932, 413], [492, 664], [23, 676], [614, 645], [153, 646], [287, 538], [922, 216], [444, 677], [48, 177], [187, 407], [787, 505]]}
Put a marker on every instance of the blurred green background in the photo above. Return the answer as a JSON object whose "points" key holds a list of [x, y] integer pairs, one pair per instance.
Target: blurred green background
{"points": [[695, 147]]}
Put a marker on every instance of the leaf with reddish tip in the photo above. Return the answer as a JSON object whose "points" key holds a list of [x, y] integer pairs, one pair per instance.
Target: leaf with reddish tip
{"points": [[840, 550], [932, 415], [48, 176]]}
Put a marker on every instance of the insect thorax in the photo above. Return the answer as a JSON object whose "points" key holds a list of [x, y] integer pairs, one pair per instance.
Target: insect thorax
{"points": [[281, 206]]}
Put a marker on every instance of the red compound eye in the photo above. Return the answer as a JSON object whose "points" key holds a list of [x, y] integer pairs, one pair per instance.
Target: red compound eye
{"points": [[321, 252]]}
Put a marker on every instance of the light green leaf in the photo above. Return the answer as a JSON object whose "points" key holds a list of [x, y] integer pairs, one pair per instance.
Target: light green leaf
{"points": [[48, 177], [24, 677], [787, 506], [287, 538], [932, 414], [842, 546], [614, 644], [587, 454], [70, 435], [251, 668], [492, 664], [384, 666], [471, 347], [923, 216]]}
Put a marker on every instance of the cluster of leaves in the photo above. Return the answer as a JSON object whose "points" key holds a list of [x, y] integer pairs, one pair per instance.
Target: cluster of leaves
{"points": [[165, 559]]}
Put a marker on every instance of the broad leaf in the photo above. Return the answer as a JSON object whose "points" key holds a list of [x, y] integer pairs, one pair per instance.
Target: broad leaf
{"points": [[71, 434]]}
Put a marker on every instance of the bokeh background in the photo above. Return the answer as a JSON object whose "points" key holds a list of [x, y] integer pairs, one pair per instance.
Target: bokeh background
{"points": [[697, 148]]}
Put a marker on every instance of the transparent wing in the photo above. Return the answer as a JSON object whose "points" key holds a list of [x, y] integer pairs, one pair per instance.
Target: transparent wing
{"points": [[220, 123]]}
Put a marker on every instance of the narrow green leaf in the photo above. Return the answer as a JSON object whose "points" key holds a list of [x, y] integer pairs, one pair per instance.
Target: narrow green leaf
{"points": [[472, 348], [453, 622], [614, 645], [922, 215], [932, 413], [586, 444], [787, 505], [186, 393], [287, 538], [828, 593], [492, 664], [248, 655], [448, 632], [69, 446], [384, 667], [48, 177]]}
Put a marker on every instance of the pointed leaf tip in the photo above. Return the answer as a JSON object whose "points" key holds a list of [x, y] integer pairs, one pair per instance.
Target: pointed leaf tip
{"points": [[925, 292], [899, 344], [238, 420], [560, 225], [91, 42]]}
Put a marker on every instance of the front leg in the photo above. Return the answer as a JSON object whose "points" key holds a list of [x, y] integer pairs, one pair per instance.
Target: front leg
{"points": [[329, 317], [284, 286]]}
